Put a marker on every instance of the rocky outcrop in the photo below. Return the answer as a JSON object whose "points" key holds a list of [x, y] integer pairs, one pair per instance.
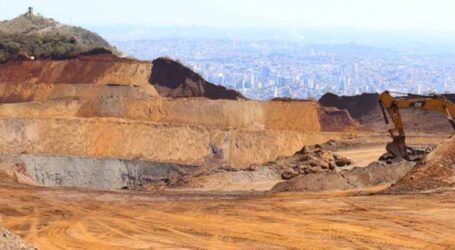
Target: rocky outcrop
{"points": [[172, 79]]}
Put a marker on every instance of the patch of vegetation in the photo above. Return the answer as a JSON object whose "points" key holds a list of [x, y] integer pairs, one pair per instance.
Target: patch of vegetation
{"points": [[26, 24], [40, 37], [53, 46]]}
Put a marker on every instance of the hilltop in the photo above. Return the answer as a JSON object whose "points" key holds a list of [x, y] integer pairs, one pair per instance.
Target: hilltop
{"points": [[34, 36]]}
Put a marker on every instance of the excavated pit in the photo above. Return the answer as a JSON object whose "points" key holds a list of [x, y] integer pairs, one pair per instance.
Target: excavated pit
{"points": [[101, 121]]}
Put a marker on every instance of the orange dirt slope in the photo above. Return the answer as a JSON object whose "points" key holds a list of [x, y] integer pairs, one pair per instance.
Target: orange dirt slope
{"points": [[437, 171], [26, 79]]}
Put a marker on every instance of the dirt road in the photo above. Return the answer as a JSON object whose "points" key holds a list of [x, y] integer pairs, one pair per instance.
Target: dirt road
{"points": [[81, 219]]}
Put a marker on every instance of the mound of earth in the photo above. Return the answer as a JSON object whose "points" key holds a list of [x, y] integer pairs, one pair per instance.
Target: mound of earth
{"points": [[377, 173], [336, 120], [9, 241], [172, 79], [310, 160], [31, 35], [436, 171], [357, 106], [316, 168], [365, 109]]}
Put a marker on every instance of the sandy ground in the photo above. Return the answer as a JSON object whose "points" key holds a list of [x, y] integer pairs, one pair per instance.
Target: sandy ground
{"points": [[364, 156], [65, 218], [78, 219]]}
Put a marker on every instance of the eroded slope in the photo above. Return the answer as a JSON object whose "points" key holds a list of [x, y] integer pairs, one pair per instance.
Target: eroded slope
{"points": [[173, 79]]}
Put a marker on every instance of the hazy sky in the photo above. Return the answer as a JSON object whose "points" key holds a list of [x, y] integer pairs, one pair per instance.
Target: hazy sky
{"points": [[417, 15]]}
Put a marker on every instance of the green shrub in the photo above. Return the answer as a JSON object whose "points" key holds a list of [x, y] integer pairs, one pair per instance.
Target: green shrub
{"points": [[53, 46]]}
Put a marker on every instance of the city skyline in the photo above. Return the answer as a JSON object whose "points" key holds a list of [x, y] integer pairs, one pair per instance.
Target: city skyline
{"points": [[409, 15], [269, 69], [283, 59]]}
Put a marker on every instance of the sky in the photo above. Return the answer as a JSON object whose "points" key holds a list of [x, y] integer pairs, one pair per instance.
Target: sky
{"points": [[414, 15]]}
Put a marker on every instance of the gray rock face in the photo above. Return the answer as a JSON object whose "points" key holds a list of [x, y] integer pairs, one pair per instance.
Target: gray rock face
{"points": [[96, 172]]}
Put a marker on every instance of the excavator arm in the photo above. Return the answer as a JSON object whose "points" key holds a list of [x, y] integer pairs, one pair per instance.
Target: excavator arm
{"points": [[392, 106]]}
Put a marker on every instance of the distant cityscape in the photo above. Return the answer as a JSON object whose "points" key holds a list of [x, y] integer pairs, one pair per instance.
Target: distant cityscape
{"points": [[271, 68]]}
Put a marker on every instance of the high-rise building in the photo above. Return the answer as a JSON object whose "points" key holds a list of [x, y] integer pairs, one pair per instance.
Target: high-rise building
{"points": [[252, 80]]}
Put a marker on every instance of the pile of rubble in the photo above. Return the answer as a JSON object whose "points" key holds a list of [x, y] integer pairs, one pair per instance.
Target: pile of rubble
{"points": [[330, 172], [415, 154], [435, 171], [9, 241], [310, 160]]}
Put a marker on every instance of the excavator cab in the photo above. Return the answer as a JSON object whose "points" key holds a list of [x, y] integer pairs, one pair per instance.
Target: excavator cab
{"points": [[391, 105]]}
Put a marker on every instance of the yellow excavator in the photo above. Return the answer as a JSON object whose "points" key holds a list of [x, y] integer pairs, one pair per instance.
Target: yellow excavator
{"points": [[392, 105]]}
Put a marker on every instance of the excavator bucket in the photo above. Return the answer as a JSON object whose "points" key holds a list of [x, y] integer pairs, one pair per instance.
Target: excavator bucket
{"points": [[398, 147]]}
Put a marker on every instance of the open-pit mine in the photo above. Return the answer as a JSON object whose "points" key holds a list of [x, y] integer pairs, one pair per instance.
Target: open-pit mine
{"points": [[103, 152]]}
